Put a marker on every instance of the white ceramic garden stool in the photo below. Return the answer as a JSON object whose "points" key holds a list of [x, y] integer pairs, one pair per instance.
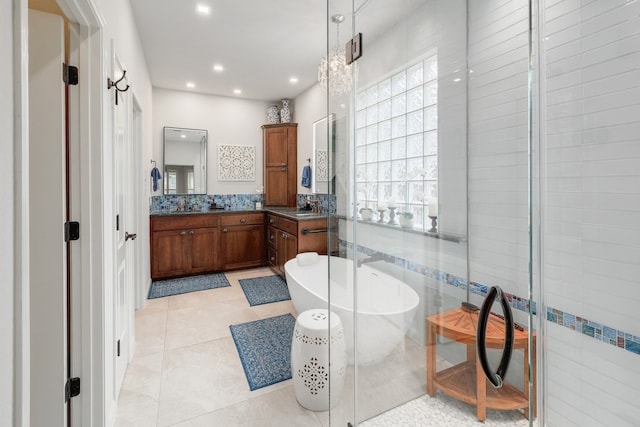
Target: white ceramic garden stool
{"points": [[318, 359]]}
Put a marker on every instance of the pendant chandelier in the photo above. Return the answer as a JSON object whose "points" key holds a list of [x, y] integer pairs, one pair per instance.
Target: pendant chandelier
{"points": [[333, 70]]}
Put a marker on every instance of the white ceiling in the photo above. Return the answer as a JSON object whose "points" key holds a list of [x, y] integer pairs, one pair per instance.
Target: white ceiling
{"points": [[260, 43]]}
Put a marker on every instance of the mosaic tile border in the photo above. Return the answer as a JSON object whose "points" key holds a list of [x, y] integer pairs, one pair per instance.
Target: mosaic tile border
{"points": [[327, 202], [606, 334]]}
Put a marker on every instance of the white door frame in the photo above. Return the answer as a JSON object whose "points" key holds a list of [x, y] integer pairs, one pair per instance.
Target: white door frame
{"points": [[90, 345]]}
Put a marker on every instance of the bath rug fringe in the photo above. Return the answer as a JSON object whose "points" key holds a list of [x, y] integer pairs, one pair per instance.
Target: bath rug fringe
{"points": [[265, 290], [264, 347], [183, 285]]}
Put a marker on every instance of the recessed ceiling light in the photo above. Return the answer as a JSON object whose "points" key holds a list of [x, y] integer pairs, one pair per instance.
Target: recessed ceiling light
{"points": [[237, 91], [191, 85], [203, 9], [218, 68], [183, 136], [293, 80]]}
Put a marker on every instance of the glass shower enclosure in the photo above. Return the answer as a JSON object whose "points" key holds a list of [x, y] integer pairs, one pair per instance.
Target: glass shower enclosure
{"points": [[431, 133]]}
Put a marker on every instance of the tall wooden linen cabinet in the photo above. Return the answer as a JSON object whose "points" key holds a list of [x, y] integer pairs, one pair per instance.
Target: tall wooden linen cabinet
{"points": [[280, 164]]}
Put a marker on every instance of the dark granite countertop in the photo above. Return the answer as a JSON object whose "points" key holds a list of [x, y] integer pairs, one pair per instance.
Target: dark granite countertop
{"points": [[292, 213]]}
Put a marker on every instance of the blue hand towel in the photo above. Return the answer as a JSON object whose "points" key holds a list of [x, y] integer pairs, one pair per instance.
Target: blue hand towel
{"points": [[306, 176], [155, 175]]}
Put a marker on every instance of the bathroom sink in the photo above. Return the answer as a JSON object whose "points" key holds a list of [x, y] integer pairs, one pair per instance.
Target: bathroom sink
{"points": [[305, 214]]}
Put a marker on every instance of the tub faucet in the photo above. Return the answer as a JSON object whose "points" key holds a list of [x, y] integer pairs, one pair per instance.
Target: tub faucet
{"points": [[378, 256]]}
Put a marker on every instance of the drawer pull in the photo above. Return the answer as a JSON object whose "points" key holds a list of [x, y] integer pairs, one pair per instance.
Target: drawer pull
{"points": [[191, 232], [183, 233], [224, 230], [243, 220]]}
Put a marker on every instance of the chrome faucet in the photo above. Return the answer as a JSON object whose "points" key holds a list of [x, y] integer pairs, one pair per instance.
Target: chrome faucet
{"points": [[378, 256]]}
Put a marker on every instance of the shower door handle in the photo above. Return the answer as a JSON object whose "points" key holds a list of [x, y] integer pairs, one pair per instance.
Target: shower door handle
{"points": [[496, 378]]}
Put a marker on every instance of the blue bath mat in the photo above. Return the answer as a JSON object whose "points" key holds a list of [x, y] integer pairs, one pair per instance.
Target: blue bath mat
{"points": [[264, 290], [264, 347], [182, 285]]}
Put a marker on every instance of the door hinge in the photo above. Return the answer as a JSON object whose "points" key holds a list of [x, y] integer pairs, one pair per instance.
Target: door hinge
{"points": [[71, 388], [118, 222], [69, 74], [118, 348], [353, 49], [71, 231]]}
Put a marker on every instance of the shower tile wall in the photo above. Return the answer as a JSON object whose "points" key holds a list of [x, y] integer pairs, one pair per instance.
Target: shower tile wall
{"points": [[591, 208]]}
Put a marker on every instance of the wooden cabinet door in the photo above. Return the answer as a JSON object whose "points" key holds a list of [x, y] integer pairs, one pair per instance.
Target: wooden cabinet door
{"points": [[275, 189], [280, 164], [168, 257], [201, 250], [276, 141], [242, 246], [287, 249]]}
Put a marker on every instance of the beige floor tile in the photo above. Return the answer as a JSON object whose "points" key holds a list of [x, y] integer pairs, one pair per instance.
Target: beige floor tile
{"points": [[274, 309], [199, 324], [209, 296], [151, 328], [276, 409], [202, 378], [138, 399]]}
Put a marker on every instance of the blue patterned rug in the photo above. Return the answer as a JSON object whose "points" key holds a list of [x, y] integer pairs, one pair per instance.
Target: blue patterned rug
{"points": [[264, 347], [264, 290], [182, 285]]}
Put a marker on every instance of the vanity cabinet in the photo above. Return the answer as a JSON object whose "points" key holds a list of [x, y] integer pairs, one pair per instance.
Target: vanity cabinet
{"points": [[280, 164], [183, 245], [286, 238], [242, 240]]}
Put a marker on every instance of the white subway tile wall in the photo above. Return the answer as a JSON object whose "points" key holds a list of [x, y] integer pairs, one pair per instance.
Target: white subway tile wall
{"points": [[591, 207]]}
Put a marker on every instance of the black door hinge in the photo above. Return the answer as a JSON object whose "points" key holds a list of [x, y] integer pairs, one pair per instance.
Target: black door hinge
{"points": [[118, 348], [69, 74], [71, 230], [71, 388], [353, 49]]}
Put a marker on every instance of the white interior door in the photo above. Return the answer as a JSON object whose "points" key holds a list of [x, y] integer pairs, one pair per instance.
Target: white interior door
{"points": [[47, 199], [123, 297]]}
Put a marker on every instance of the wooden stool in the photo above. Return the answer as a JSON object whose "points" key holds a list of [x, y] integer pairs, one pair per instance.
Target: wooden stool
{"points": [[466, 381]]}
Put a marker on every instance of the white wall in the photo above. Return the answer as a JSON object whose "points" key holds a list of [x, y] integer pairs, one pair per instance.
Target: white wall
{"points": [[228, 121], [591, 202], [7, 222]]}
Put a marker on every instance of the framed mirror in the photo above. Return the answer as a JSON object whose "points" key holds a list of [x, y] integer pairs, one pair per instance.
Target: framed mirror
{"points": [[323, 171], [185, 161]]}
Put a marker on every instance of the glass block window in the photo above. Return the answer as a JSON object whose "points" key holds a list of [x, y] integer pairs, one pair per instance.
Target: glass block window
{"points": [[397, 140]]}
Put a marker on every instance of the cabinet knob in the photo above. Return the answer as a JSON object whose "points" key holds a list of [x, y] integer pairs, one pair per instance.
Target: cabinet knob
{"points": [[283, 164], [283, 169], [183, 233], [271, 237], [192, 232], [271, 221], [224, 230], [272, 259], [243, 220]]}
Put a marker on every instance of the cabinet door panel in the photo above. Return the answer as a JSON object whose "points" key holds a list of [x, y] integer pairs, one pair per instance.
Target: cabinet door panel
{"points": [[287, 249], [168, 254], [276, 187], [203, 256], [242, 246], [276, 142]]}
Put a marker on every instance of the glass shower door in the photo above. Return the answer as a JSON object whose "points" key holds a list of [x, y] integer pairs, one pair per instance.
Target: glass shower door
{"points": [[432, 209]]}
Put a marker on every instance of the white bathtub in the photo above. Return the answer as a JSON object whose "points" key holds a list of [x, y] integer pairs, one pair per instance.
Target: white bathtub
{"points": [[386, 305]]}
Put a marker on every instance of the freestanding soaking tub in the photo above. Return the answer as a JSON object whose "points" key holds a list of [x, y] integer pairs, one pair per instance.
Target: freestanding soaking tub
{"points": [[385, 307]]}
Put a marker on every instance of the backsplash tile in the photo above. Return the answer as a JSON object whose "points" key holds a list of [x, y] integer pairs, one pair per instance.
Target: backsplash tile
{"points": [[203, 202]]}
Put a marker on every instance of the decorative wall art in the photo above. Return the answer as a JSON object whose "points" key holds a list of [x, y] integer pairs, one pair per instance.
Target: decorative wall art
{"points": [[322, 165], [236, 162]]}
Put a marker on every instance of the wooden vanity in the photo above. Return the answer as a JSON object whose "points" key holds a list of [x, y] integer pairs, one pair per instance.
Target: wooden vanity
{"points": [[184, 244]]}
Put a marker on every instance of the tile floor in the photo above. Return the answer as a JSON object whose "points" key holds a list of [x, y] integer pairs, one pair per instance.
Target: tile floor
{"points": [[186, 372]]}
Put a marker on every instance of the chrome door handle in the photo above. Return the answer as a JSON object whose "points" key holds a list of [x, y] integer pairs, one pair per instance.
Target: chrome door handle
{"points": [[497, 378], [128, 236]]}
